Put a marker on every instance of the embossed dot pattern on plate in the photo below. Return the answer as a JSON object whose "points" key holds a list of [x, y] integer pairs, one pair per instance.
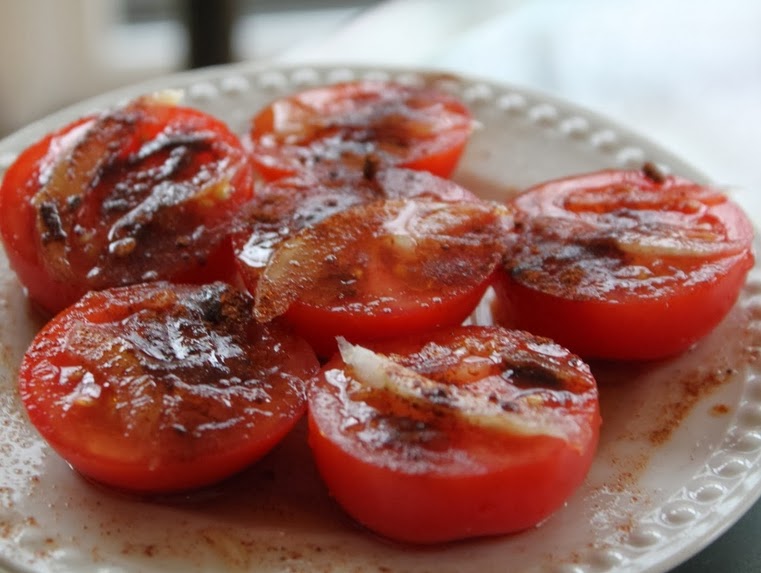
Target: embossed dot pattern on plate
{"points": [[679, 513], [543, 114], [513, 102], [203, 91], [606, 559], [645, 537], [234, 85], [708, 492]]}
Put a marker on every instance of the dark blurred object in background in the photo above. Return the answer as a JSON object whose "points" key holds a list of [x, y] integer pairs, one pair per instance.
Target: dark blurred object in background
{"points": [[209, 27]]}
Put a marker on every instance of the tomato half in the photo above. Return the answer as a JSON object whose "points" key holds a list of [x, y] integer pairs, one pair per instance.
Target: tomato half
{"points": [[459, 433], [284, 207], [347, 123], [161, 388], [142, 192], [384, 269], [625, 264]]}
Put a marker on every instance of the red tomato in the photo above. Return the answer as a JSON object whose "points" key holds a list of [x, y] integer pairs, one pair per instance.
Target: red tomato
{"points": [[625, 264], [160, 388], [384, 269], [284, 207], [346, 124], [460, 433], [142, 192]]}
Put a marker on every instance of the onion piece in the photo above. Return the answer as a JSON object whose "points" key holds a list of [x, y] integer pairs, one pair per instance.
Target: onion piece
{"points": [[379, 372]]}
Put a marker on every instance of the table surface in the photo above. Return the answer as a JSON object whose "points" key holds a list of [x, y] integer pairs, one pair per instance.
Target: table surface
{"points": [[685, 75]]}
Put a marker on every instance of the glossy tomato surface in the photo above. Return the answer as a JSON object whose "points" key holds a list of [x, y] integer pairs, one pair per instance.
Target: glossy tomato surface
{"points": [[624, 264], [162, 388], [384, 269], [141, 192], [282, 208], [458, 433], [349, 124]]}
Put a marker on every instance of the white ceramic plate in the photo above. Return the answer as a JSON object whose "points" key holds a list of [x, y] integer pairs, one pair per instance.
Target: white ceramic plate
{"points": [[680, 453]]}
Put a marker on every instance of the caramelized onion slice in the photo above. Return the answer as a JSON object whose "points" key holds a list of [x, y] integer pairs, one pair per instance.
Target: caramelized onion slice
{"points": [[379, 372]]}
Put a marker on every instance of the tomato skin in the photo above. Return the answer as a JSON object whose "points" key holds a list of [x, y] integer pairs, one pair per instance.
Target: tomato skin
{"points": [[158, 388], [18, 215], [604, 300], [320, 325], [427, 509], [644, 329], [415, 487], [344, 124], [284, 207], [384, 270], [141, 192]]}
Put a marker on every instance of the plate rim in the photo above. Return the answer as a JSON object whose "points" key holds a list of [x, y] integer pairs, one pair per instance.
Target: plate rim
{"points": [[184, 80]]}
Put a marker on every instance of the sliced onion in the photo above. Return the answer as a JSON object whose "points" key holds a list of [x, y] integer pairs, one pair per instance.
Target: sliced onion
{"points": [[677, 243], [378, 372]]}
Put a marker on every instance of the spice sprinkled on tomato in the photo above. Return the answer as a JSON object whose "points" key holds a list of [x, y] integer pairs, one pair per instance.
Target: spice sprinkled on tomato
{"points": [[160, 388], [624, 265], [457, 433], [385, 269], [360, 126], [141, 192], [284, 207]]}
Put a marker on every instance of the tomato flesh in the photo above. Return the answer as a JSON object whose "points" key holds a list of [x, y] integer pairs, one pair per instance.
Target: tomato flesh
{"points": [[284, 207], [344, 124], [418, 473], [142, 192], [624, 264], [383, 270], [162, 388]]}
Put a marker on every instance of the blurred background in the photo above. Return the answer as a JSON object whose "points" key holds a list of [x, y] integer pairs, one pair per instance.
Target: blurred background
{"points": [[685, 74], [58, 52]]}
